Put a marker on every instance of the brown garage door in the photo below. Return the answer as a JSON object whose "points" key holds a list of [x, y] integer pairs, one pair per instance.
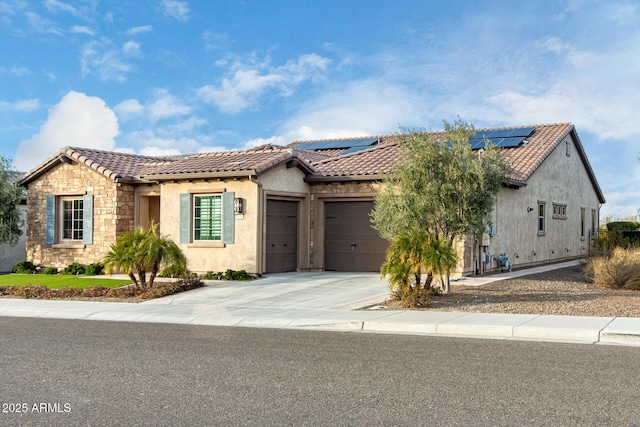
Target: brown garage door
{"points": [[282, 236], [350, 243]]}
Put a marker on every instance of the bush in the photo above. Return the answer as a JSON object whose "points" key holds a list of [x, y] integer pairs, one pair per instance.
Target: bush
{"points": [[228, 275], [94, 269], [174, 271], [623, 226], [618, 270], [76, 268], [24, 267], [50, 270]]}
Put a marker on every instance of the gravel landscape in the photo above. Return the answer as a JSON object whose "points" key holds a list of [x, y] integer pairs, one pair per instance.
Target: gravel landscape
{"points": [[557, 292]]}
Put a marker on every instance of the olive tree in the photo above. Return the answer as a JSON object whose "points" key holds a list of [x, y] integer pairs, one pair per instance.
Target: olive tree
{"points": [[10, 196], [441, 186]]}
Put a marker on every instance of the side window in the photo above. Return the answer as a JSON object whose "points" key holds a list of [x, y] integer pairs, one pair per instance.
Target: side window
{"points": [[69, 219], [582, 221], [541, 218], [207, 217]]}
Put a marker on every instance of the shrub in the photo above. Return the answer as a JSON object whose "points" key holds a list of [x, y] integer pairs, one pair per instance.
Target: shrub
{"points": [[24, 267], [210, 275], [413, 297], [236, 275], [76, 268], [619, 270], [50, 270], [175, 271], [94, 269], [228, 275]]}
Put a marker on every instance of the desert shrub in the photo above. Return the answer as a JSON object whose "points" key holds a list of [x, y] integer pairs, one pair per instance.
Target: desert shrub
{"points": [[623, 226], [50, 270], [413, 297], [94, 269], [618, 270], [24, 267], [75, 268]]}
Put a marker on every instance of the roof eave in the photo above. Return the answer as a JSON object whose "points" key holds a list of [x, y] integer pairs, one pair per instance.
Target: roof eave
{"points": [[199, 175], [587, 165], [343, 178]]}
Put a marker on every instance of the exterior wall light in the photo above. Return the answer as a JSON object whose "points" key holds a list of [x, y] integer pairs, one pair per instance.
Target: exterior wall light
{"points": [[238, 205]]}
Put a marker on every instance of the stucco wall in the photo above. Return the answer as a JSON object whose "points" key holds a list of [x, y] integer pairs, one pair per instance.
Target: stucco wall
{"points": [[214, 256], [560, 179], [113, 208]]}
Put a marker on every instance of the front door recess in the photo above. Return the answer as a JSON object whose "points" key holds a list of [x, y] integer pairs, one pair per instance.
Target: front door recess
{"points": [[351, 244], [282, 236]]}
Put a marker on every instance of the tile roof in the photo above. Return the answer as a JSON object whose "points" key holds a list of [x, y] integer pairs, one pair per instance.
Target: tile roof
{"points": [[323, 165], [124, 167]]}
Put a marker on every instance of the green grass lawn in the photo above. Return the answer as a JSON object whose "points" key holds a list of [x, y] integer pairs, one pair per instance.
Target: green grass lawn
{"points": [[59, 281]]}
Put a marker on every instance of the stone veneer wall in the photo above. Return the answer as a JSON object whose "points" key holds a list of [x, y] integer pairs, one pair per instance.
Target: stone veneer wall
{"points": [[113, 214]]}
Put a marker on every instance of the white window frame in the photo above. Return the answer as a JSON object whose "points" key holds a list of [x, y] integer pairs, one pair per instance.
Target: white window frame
{"points": [[76, 226], [542, 225]]}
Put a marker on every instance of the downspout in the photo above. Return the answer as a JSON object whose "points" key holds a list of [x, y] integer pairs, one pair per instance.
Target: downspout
{"points": [[260, 226]]}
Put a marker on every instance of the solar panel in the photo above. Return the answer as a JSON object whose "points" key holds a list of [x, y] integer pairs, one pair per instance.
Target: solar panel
{"points": [[510, 142], [525, 132], [336, 144], [354, 150], [477, 144]]}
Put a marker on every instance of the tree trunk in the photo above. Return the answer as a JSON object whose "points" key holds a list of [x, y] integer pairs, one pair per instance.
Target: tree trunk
{"points": [[428, 280], [133, 279]]}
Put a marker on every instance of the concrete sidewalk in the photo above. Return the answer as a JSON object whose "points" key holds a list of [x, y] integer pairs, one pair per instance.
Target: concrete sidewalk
{"points": [[194, 308]]}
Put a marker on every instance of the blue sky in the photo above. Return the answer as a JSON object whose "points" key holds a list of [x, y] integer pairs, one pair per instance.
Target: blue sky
{"points": [[170, 76]]}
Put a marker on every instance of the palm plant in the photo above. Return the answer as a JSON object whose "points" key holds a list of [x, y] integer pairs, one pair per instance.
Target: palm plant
{"points": [[142, 252], [405, 260], [441, 257]]}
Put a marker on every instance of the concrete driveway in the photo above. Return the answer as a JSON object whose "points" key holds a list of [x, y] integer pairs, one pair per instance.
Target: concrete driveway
{"points": [[289, 291]]}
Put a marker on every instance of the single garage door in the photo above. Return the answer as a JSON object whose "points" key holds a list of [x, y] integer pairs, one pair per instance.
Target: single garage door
{"points": [[350, 243], [282, 236]]}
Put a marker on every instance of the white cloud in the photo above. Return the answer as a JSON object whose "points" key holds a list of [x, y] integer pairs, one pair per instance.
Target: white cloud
{"points": [[80, 29], [248, 84], [178, 10], [15, 71], [39, 25], [214, 41], [359, 108], [131, 48], [101, 57], [56, 5], [25, 105], [139, 30], [162, 106], [77, 120]]}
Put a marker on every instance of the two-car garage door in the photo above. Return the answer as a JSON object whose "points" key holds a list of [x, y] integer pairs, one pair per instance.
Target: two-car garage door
{"points": [[350, 243]]}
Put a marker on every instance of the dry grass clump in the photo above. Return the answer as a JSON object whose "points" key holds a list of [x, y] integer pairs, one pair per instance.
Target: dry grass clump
{"points": [[618, 269]]}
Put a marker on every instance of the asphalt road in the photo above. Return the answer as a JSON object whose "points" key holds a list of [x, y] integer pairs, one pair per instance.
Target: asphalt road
{"points": [[70, 372]]}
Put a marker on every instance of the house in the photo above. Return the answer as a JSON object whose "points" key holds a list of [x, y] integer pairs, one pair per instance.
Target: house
{"points": [[301, 207]]}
